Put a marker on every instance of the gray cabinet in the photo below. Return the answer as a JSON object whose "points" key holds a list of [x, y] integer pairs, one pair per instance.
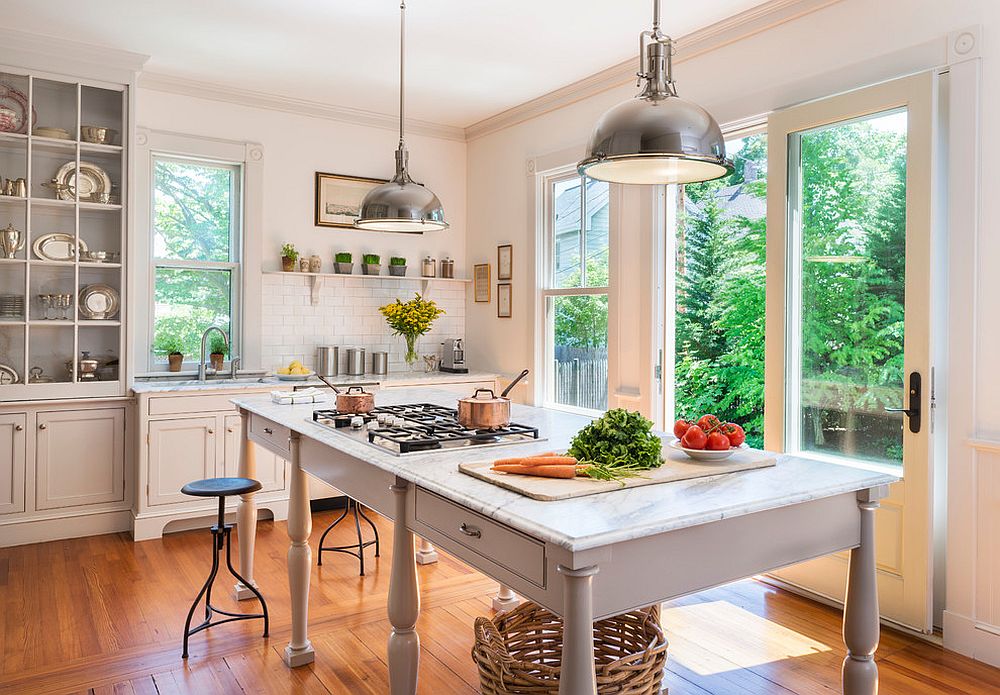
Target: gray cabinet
{"points": [[79, 457], [180, 451], [12, 457]]}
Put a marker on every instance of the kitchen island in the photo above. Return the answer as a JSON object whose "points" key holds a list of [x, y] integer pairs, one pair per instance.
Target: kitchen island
{"points": [[584, 558]]}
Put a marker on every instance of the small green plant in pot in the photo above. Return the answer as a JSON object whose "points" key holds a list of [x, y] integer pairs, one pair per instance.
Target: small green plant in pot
{"points": [[288, 257], [172, 347], [218, 351], [397, 266], [372, 264], [343, 263]]}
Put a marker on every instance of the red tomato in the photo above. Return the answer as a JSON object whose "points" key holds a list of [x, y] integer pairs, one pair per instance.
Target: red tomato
{"points": [[735, 433], [717, 442], [708, 422], [680, 427], [694, 438]]}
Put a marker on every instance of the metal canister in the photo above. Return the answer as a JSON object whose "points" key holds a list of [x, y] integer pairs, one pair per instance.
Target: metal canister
{"points": [[428, 267], [448, 268], [355, 361], [327, 360], [380, 363]]}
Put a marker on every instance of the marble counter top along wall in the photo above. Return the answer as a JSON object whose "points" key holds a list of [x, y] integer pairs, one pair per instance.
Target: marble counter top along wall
{"points": [[347, 315]]}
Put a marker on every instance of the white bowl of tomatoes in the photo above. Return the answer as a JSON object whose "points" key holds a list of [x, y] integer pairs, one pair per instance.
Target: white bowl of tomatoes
{"points": [[708, 438]]}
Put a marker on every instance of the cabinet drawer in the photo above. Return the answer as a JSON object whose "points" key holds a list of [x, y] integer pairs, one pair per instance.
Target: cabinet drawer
{"points": [[511, 549], [185, 405], [273, 436]]}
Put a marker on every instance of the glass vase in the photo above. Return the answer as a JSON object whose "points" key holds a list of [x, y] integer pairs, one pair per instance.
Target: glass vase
{"points": [[412, 357]]}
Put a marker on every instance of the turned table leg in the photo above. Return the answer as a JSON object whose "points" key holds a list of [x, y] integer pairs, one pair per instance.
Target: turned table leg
{"points": [[576, 674], [426, 554], [299, 650], [246, 512], [404, 602], [505, 600], [859, 673]]}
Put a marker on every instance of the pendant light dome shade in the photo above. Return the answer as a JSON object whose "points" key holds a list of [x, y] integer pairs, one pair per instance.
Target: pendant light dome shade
{"points": [[656, 137], [401, 205]]}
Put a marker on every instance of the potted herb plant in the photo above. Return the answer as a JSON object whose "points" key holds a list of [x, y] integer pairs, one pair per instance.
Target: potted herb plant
{"points": [[172, 347], [288, 257], [343, 263], [372, 264], [218, 351], [397, 266]]}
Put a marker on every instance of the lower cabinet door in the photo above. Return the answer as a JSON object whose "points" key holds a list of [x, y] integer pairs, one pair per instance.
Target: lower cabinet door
{"points": [[12, 453], [270, 467], [180, 451], [80, 457]]}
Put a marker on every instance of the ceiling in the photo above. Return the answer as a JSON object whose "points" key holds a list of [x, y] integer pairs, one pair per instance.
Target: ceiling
{"points": [[466, 59]]}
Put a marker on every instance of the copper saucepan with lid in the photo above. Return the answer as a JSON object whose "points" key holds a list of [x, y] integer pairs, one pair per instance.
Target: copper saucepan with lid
{"points": [[355, 401], [484, 410]]}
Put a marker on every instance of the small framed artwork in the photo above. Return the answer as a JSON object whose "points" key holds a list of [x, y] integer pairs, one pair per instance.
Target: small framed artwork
{"points": [[503, 300], [481, 282], [505, 262], [338, 198]]}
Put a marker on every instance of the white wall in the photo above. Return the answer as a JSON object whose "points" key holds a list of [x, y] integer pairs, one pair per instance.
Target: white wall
{"points": [[845, 45]]}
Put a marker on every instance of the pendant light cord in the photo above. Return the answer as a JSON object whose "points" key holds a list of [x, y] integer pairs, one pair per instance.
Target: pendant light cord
{"points": [[402, 68]]}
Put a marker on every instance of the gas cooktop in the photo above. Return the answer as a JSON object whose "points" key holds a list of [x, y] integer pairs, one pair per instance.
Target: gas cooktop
{"points": [[419, 428]]}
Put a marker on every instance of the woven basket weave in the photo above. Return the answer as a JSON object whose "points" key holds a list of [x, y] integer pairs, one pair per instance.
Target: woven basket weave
{"points": [[519, 653]]}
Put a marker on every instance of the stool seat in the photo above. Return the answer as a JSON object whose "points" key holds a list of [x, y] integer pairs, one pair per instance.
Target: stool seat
{"points": [[221, 487]]}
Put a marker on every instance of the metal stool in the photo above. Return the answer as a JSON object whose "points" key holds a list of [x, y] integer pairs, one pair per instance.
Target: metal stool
{"points": [[221, 488], [357, 549]]}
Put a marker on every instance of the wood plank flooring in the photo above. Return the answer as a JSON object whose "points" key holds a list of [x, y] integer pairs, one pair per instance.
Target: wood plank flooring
{"points": [[104, 615]]}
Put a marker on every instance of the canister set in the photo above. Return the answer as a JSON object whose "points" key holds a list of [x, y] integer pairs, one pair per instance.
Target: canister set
{"points": [[328, 361], [429, 268]]}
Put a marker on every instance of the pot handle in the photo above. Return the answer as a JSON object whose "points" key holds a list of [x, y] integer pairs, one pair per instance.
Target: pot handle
{"points": [[360, 389], [489, 391]]}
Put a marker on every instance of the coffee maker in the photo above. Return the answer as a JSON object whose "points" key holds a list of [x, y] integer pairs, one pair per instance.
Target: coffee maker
{"points": [[453, 356]]}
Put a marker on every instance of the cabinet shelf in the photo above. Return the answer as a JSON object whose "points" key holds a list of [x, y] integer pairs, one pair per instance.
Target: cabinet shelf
{"points": [[318, 279]]}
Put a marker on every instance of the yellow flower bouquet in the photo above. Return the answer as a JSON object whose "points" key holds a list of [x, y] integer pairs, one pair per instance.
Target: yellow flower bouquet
{"points": [[411, 320]]}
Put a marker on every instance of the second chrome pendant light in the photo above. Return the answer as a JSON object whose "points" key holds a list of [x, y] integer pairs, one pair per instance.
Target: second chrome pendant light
{"points": [[656, 137], [401, 205]]}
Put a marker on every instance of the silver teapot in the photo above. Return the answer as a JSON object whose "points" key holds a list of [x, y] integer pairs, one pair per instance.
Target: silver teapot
{"points": [[11, 241]]}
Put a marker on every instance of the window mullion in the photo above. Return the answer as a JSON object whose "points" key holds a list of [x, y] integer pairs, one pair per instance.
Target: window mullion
{"points": [[583, 231]]}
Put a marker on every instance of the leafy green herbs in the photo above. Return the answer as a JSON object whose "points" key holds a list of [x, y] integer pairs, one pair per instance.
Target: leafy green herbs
{"points": [[620, 444]]}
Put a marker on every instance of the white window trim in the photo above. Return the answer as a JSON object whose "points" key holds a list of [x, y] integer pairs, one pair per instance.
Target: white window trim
{"points": [[247, 307]]}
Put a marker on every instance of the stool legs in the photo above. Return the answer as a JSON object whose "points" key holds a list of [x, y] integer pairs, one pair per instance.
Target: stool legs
{"points": [[357, 549], [221, 534]]}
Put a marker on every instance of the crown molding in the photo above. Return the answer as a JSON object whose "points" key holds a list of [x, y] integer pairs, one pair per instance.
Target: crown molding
{"points": [[261, 100], [740, 26], [38, 52]]}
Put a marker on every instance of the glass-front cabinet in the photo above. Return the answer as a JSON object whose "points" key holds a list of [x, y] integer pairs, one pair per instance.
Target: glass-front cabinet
{"points": [[63, 171]]}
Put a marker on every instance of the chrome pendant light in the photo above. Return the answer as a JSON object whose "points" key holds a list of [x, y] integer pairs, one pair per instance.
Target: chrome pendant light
{"points": [[401, 205], [656, 137]]}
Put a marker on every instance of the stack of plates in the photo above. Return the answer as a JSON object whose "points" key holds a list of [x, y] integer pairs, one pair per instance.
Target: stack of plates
{"points": [[11, 306], [51, 132]]}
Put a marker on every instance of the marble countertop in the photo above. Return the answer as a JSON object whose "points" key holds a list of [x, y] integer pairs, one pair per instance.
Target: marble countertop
{"points": [[581, 523], [393, 379]]}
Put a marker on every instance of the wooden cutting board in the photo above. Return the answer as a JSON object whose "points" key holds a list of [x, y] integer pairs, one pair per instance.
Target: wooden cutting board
{"points": [[676, 466]]}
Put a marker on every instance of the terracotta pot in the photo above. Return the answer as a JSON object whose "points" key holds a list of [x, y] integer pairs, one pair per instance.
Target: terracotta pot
{"points": [[175, 360], [287, 264], [217, 359]]}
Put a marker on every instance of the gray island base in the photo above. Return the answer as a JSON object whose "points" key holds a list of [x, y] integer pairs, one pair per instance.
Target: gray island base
{"points": [[585, 558]]}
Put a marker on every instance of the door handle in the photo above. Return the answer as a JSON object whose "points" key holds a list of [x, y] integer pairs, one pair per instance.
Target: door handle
{"points": [[913, 412], [43, 426], [18, 428]]}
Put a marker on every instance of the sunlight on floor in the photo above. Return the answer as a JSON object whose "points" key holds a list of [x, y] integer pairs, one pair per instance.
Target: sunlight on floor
{"points": [[738, 638]]}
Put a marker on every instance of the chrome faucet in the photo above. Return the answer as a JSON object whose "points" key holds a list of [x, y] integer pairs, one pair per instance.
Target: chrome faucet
{"points": [[202, 376]]}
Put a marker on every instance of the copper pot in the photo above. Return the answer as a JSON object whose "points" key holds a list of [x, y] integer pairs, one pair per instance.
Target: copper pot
{"points": [[355, 401], [486, 411]]}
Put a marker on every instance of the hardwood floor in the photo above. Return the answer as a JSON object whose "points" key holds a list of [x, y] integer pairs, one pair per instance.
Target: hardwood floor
{"points": [[105, 615]]}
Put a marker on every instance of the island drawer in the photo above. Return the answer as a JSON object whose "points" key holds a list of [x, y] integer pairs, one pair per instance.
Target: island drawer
{"points": [[521, 554], [274, 437]]}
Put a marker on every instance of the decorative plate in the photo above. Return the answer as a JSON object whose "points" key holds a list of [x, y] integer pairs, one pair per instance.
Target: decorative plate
{"points": [[8, 375], [58, 247], [51, 132], [14, 110], [294, 377], [91, 180], [99, 301], [705, 455]]}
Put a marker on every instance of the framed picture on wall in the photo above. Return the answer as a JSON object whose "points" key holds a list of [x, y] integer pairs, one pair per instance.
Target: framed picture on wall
{"points": [[338, 198], [481, 282], [505, 262], [503, 300]]}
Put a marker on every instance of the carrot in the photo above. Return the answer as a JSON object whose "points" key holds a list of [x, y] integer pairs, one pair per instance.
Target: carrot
{"points": [[540, 471], [549, 460]]}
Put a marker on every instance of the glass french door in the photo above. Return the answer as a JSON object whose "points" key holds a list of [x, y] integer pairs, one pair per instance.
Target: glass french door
{"points": [[849, 354]]}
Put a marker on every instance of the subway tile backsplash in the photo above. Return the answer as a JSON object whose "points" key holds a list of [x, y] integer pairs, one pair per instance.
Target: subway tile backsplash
{"points": [[347, 315]]}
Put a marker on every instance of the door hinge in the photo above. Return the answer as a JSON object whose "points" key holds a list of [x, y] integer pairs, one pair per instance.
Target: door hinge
{"points": [[933, 399]]}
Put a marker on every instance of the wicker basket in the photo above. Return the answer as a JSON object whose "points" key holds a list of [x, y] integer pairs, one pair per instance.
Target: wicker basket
{"points": [[519, 652]]}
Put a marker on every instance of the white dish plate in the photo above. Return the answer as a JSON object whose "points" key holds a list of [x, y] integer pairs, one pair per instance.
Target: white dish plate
{"points": [[8, 375], [294, 377], [706, 456]]}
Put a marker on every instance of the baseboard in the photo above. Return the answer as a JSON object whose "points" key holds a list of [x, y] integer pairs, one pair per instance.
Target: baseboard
{"points": [[973, 639], [35, 530], [148, 526]]}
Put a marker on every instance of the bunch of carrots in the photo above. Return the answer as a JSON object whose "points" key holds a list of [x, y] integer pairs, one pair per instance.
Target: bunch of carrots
{"points": [[555, 465]]}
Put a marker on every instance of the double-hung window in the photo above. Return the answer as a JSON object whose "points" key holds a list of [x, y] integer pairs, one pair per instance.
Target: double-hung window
{"points": [[196, 209], [575, 292]]}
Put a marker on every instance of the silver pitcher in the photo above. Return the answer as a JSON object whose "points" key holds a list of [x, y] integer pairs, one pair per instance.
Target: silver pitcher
{"points": [[11, 241]]}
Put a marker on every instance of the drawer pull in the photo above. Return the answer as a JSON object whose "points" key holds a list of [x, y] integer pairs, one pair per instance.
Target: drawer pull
{"points": [[18, 428], [470, 530], [268, 430]]}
